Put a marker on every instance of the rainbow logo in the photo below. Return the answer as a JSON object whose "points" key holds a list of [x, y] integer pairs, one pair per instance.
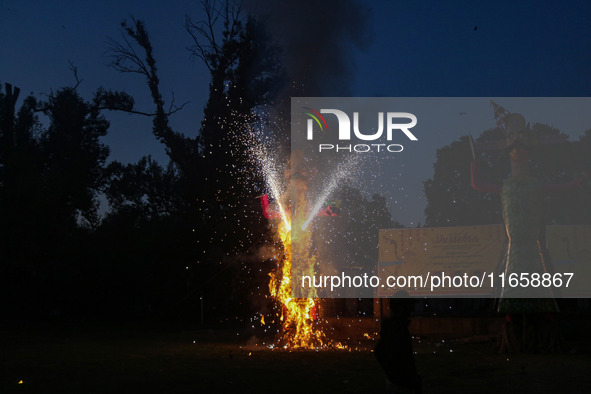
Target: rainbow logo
{"points": [[317, 117]]}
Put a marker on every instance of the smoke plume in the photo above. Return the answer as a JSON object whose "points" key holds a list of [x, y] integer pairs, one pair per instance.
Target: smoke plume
{"points": [[318, 41]]}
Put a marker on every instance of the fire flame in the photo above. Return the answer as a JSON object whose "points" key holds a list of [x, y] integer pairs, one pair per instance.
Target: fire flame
{"points": [[300, 327], [297, 315]]}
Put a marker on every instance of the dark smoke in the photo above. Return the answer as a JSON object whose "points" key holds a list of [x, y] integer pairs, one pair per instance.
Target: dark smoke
{"points": [[318, 41]]}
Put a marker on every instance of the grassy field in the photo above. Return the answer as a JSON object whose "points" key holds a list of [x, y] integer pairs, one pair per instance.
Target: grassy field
{"points": [[118, 359]]}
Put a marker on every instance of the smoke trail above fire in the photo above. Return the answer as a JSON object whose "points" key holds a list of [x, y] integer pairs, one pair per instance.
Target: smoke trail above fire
{"points": [[317, 41]]}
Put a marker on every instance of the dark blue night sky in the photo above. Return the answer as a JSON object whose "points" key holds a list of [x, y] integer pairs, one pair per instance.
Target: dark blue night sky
{"points": [[404, 49]]}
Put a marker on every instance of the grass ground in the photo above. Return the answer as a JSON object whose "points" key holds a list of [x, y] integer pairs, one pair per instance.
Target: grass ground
{"points": [[121, 359]]}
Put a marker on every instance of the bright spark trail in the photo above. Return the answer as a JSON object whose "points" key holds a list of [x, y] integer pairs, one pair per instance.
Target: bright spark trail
{"points": [[342, 171]]}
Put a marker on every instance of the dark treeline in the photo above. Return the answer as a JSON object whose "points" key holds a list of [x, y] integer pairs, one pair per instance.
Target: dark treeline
{"points": [[171, 234], [83, 236], [174, 235]]}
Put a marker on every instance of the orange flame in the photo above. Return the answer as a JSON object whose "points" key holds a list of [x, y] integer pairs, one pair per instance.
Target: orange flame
{"points": [[297, 314]]}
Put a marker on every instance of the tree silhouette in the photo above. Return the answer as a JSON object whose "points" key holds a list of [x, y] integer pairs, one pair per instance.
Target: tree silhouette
{"points": [[210, 174], [50, 180]]}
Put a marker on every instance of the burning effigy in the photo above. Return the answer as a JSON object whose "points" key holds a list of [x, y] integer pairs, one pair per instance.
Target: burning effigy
{"points": [[291, 215]]}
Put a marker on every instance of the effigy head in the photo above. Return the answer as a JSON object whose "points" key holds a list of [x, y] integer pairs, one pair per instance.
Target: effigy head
{"points": [[517, 132]]}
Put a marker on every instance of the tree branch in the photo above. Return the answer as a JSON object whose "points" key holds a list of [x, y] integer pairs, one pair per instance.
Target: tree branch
{"points": [[133, 111], [124, 53], [74, 70], [205, 46], [126, 59]]}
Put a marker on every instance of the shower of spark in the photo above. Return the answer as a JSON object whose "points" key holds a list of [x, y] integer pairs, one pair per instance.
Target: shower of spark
{"points": [[268, 164], [271, 176], [344, 170], [300, 327]]}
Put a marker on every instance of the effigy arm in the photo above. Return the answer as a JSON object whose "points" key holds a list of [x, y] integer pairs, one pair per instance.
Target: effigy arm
{"points": [[576, 183], [477, 184]]}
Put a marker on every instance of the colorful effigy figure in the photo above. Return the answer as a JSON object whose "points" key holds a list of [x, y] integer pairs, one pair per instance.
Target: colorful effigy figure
{"points": [[522, 198], [522, 203]]}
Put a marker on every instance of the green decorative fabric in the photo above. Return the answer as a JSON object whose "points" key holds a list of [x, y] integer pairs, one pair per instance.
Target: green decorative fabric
{"points": [[522, 201]]}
